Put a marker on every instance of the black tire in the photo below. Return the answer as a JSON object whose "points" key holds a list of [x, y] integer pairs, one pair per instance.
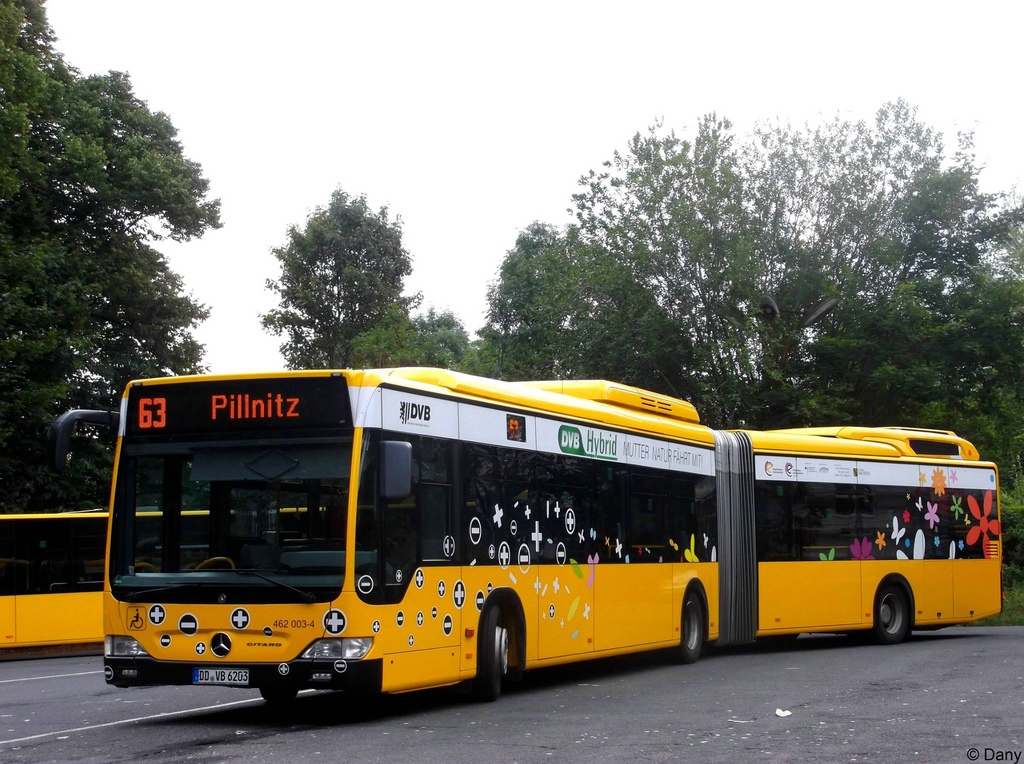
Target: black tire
{"points": [[492, 657], [691, 643], [278, 695], [892, 615]]}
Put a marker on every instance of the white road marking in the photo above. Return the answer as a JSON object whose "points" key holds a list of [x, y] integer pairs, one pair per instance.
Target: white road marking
{"points": [[164, 715], [49, 676]]}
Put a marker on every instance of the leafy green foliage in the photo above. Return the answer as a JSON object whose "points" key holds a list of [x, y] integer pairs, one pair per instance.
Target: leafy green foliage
{"points": [[1011, 521], [432, 339], [89, 176], [659, 282], [668, 267], [529, 308], [443, 339], [341, 276]]}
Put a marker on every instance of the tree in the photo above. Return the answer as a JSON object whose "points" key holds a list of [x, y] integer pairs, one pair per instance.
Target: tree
{"points": [[89, 178], [529, 306], [928, 329], [432, 339], [341, 276], [660, 281], [443, 339], [670, 278]]}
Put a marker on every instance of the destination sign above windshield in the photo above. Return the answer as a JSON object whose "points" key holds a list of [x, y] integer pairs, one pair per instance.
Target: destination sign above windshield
{"points": [[274, 405]]}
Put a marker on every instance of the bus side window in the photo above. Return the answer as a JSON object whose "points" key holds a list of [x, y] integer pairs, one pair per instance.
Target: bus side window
{"points": [[781, 534], [435, 521], [433, 490]]}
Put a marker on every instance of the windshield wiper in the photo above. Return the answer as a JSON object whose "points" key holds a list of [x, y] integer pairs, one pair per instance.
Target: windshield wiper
{"points": [[137, 594], [305, 596]]}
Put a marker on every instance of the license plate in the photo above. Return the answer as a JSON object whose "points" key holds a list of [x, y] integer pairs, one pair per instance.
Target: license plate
{"points": [[231, 677]]}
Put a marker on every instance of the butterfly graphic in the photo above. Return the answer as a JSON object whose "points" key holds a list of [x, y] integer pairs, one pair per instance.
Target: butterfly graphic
{"points": [[897, 531]]}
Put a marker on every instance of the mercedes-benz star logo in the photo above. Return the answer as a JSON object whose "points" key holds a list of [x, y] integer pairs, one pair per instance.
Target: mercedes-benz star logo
{"points": [[220, 644]]}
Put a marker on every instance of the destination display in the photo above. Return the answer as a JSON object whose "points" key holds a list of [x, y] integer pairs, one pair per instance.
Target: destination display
{"points": [[271, 405]]}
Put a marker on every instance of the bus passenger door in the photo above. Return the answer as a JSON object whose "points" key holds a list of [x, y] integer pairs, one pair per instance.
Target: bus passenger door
{"points": [[556, 537], [421, 579], [565, 604]]}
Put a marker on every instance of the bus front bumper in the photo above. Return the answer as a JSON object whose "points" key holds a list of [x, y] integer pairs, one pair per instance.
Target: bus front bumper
{"points": [[300, 674]]}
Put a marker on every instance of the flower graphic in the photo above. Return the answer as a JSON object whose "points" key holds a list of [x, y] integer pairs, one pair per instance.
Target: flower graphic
{"points": [[860, 549], [952, 477], [906, 516], [880, 540], [956, 508], [939, 482], [932, 516], [985, 526], [937, 542]]}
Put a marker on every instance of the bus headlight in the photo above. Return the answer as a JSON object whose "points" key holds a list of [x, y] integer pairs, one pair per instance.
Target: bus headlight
{"points": [[122, 647], [343, 649]]}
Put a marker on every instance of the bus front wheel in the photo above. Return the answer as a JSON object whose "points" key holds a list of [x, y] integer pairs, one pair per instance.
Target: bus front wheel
{"points": [[492, 657], [692, 641], [892, 615]]}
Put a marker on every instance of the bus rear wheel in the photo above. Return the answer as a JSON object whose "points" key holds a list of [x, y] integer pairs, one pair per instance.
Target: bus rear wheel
{"points": [[492, 657], [692, 640], [892, 615]]}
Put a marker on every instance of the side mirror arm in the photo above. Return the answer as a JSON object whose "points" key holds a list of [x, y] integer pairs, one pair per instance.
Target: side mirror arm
{"points": [[59, 442]]}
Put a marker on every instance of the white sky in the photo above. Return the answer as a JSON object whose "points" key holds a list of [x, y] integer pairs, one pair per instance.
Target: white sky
{"points": [[471, 120]]}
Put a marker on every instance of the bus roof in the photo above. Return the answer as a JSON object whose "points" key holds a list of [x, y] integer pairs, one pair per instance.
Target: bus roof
{"points": [[597, 401], [893, 442], [619, 405]]}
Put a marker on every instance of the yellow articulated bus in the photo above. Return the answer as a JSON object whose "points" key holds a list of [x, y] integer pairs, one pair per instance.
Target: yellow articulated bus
{"points": [[51, 579], [390, 530]]}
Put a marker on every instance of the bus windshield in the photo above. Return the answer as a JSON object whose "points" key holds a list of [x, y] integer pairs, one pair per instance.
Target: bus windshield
{"points": [[271, 519]]}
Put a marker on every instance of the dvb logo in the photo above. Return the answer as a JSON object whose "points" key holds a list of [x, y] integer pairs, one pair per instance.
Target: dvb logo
{"points": [[570, 440], [408, 412]]}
